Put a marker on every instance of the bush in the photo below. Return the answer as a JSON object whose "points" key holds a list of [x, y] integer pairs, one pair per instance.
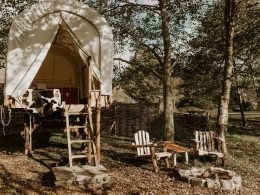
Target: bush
{"points": [[203, 104]]}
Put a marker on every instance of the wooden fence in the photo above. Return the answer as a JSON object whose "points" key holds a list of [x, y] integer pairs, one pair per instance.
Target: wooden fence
{"points": [[124, 119]]}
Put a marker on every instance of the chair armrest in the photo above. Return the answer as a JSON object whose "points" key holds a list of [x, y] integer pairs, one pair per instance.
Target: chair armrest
{"points": [[163, 143], [144, 145], [220, 139], [196, 141]]}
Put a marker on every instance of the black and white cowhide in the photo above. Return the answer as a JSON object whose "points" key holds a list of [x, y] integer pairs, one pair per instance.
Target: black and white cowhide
{"points": [[39, 104]]}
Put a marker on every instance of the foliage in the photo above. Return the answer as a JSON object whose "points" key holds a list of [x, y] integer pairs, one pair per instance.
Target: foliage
{"points": [[143, 35], [8, 10], [204, 68]]}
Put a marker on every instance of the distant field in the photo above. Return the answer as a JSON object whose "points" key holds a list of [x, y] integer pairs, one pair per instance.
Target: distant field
{"points": [[251, 115]]}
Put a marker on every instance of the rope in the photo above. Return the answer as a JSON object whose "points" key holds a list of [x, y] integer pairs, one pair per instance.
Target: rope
{"points": [[3, 117]]}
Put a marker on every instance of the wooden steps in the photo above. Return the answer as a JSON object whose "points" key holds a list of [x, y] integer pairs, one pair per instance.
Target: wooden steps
{"points": [[66, 176], [90, 148], [81, 174]]}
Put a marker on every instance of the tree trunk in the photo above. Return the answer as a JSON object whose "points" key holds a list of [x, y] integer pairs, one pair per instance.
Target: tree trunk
{"points": [[243, 117], [222, 121], [167, 68]]}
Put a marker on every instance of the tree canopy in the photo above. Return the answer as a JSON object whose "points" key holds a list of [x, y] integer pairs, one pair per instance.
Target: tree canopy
{"points": [[204, 67]]}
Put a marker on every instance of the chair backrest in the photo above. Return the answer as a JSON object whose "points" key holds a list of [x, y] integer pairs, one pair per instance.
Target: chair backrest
{"points": [[205, 140], [142, 138]]}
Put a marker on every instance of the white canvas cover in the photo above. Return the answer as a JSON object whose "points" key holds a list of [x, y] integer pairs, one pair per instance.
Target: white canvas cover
{"points": [[33, 31]]}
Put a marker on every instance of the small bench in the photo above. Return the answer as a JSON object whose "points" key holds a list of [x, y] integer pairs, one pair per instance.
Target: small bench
{"points": [[176, 149]]}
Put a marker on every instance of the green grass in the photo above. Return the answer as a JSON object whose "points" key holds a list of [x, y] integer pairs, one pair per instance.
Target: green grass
{"points": [[244, 151]]}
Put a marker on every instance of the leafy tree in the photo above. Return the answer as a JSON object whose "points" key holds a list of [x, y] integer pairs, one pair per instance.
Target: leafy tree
{"points": [[203, 69], [8, 10], [140, 80], [222, 119], [208, 72], [158, 30]]}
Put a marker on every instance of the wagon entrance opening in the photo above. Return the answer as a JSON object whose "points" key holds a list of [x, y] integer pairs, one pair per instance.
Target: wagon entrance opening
{"points": [[63, 68]]}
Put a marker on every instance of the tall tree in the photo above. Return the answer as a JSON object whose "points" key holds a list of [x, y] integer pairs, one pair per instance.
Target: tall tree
{"points": [[157, 28], [222, 120], [167, 71]]}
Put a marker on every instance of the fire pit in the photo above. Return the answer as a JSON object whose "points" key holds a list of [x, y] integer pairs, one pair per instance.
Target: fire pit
{"points": [[213, 177]]}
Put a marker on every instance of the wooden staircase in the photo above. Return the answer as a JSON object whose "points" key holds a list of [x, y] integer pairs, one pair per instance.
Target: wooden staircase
{"points": [[81, 174], [90, 148]]}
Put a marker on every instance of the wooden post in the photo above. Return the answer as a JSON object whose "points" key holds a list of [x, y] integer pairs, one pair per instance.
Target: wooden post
{"points": [[98, 115], [91, 145], [115, 119], [30, 135], [89, 149], [68, 138], [27, 139], [166, 160]]}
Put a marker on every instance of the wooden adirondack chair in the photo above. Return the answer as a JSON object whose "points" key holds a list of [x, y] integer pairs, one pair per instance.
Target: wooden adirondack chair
{"points": [[145, 148], [206, 144]]}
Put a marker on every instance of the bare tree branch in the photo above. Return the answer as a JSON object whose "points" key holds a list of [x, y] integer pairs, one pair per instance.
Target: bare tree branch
{"points": [[135, 38], [126, 3], [140, 65]]}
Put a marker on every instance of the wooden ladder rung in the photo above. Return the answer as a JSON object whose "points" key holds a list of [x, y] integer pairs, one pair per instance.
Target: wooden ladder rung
{"points": [[76, 113], [91, 153], [79, 156], [77, 126], [80, 141]]}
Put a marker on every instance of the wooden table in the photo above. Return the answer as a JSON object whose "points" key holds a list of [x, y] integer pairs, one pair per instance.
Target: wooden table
{"points": [[176, 149]]}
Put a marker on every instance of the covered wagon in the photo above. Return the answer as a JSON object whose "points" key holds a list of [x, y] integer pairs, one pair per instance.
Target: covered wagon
{"points": [[62, 46]]}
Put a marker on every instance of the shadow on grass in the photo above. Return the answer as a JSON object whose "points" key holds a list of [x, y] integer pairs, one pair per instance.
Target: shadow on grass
{"points": [[12, 143], [252, 129], [127, 158]]}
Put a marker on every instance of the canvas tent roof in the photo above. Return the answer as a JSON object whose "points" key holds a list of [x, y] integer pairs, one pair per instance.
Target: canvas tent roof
{"points": [[33, 31]]}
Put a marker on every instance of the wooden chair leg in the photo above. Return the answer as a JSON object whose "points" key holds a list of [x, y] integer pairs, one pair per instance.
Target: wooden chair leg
{"points": [[174, 159], [195, 159], [166, 160], [154, 160], [186, 158], [223, 162]]}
